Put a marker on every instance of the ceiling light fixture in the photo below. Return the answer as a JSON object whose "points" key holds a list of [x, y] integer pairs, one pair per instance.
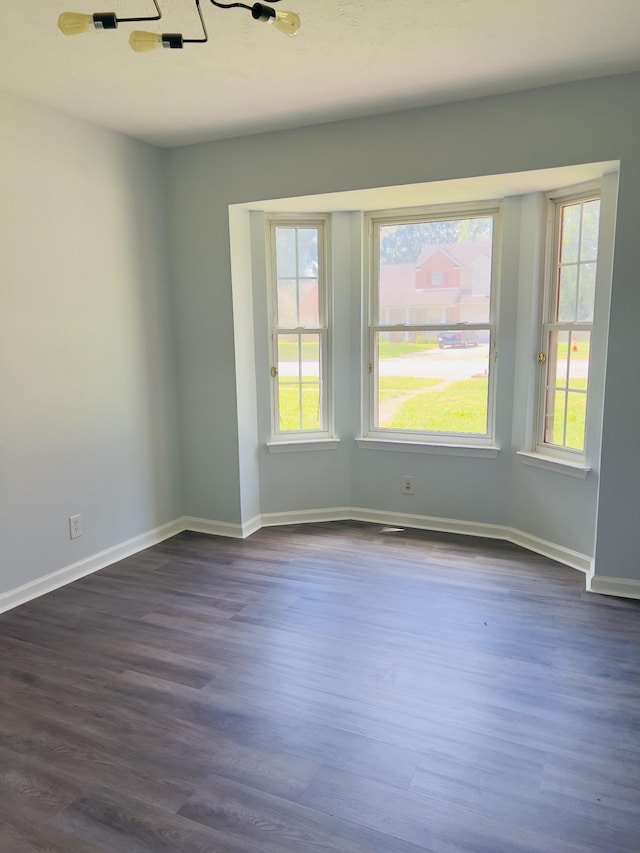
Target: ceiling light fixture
{"points": [[73, 23]]}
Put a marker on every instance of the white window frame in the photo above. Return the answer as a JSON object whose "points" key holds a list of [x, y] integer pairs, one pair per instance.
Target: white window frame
{"points": [[414, 440], [301, 438], [556, 200]]}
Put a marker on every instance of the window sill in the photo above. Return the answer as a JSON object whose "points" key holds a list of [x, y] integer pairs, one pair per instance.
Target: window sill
{"points": [[478, 450], [303, 444], [552, 463]]}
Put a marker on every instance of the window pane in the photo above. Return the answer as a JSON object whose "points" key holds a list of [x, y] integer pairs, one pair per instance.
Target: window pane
{"points": [[565, 396], [567, 294], [299, 406], [570, 233], [586, 292], [309, 310], [289, 418], [298, 302], [299, 383], [554, 416], [287, 303], [285, 252], [289, 356], [590, 228], [557, 353], [307, 252], [423, 387], [310, 350], [578, 373], [440, 270], [577, 276], [576, 418], [311, 407]]}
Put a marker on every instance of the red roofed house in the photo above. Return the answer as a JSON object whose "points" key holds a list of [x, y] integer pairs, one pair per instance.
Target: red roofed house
{"points": [[447, 284]]}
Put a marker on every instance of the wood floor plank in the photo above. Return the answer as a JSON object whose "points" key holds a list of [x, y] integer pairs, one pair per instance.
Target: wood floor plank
{"points": [[118, 826], [322, 687], [275, 825], [25, 836]]}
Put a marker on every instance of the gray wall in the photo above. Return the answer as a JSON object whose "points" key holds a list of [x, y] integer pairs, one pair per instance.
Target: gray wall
{"points": [[578, 123], [87, 378], [107, 350]]}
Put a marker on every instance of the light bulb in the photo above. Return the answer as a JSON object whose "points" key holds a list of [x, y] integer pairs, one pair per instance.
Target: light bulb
{"points": [[287, 22], [74, 23], [143, 41]]}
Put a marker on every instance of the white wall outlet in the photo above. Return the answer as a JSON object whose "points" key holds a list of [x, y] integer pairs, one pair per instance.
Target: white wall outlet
{"points": [[75, 526], [408, 485]]}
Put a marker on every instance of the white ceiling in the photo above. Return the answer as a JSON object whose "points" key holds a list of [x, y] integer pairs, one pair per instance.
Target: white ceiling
{"points": [[351, 58]]}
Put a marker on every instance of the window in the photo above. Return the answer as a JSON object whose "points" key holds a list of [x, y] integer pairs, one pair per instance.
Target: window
{"points": [[568, 308], [299, 336], [429, 348]]}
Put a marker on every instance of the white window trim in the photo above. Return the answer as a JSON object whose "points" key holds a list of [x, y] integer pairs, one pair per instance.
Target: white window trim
{"points": [[303, 439], [554, 463], [303, 444], [388, 439], [479, 451], [543, 455]]}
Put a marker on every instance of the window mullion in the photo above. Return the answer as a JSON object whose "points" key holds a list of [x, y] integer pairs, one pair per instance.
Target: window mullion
{"points": [[300, 400]]}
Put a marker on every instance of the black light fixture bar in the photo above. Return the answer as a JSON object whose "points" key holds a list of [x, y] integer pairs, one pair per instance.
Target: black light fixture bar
{"points": [[154, 18], [204, 29]]}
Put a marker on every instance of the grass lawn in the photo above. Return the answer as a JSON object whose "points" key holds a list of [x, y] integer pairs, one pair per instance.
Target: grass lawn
{"points": [[398, 386], [460, 407], [292, 416], [288, 350], [576, 417], [388, 349]]}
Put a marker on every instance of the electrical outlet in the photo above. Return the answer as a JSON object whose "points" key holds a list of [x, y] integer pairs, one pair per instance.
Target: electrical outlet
{"points": [[408, 485], [75, 526]]}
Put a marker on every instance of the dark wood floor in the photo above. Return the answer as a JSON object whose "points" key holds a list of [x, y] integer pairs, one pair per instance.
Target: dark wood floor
{"points": [[328, 687]]}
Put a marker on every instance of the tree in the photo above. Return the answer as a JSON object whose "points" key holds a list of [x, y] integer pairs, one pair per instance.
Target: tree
{"points": [[403, 244]]}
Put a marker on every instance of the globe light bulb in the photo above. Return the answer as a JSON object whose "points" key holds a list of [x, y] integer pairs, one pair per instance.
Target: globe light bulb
{"points": [[74, 23], [287, 22], [142, 41]]}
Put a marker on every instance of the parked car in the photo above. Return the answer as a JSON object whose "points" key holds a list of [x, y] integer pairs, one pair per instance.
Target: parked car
{"points": [[458, 339]]}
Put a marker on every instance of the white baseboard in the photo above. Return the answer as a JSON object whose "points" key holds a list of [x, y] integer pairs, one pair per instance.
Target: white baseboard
{"points": [[252, 526], [582, 562], [214, 528], [61, 577], [427, 522], [573, 559], [621, 587], [305, 516]]}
